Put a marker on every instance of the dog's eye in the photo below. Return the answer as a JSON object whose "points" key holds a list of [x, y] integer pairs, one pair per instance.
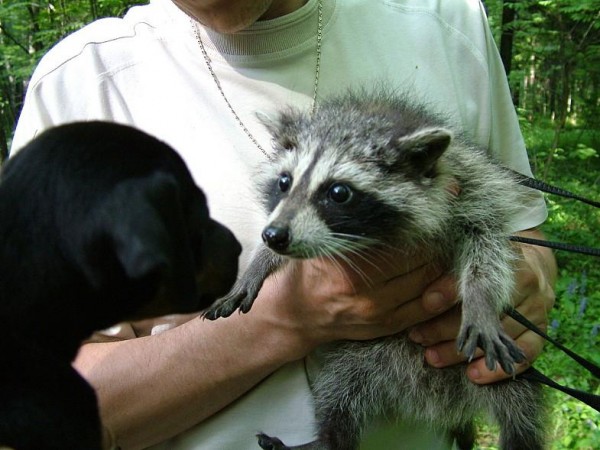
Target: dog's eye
{"points": [[339, 193], [285, 181]]}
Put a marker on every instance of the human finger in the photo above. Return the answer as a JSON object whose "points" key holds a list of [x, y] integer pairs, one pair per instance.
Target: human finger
{"points": [[444, 354], [421, 307], [531, 345], [393, 306], [440, 295], [527, 340]]}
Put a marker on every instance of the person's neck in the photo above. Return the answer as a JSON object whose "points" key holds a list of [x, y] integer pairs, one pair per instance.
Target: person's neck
{"points": [[233, 16]]}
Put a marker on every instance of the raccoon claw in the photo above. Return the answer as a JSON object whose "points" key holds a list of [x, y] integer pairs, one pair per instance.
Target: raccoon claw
{"points": [[467, 343], [246, 304], [270, 443], [509, 352], [498, 348], [225, 306], [213, 314]]}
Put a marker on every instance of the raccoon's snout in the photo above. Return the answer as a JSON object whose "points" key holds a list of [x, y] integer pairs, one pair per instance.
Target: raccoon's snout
{"points": [[276, 237]]}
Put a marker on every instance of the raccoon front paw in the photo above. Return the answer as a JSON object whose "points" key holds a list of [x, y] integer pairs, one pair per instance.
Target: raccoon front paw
{"points": [[498, 347], [225, 306], [270, 443]]}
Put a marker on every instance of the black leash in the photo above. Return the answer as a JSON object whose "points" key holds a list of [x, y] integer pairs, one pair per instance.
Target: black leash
{"points": [[558, 245], [550, 189], [591, 400], [590, 366], [533, 374]]}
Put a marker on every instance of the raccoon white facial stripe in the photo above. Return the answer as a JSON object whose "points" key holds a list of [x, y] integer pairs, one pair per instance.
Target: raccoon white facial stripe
{"points": [[322, 171]]}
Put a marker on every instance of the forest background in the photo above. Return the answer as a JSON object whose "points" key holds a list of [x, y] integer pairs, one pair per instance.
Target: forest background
{"points": [[551, 52]]}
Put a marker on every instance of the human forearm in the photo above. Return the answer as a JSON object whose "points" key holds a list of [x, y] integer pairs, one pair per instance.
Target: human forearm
{"points": [[155, 387]]}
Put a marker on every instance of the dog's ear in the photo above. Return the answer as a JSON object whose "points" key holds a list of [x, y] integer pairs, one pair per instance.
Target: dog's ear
{"points": [[142, 229]]}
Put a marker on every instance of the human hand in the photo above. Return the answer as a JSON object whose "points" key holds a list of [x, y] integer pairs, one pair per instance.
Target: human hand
{"points": [[321, 300], [533, 297]]}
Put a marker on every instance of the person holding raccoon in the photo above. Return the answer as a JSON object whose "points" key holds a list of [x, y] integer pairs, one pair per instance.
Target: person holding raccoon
{"points": [[196, 74]]}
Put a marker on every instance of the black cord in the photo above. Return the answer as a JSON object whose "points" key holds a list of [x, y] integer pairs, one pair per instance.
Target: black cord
{"points": [[590, 251], [550, 189]]}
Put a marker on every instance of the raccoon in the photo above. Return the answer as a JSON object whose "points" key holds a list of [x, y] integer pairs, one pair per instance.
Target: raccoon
{"points": [[373, 170]]}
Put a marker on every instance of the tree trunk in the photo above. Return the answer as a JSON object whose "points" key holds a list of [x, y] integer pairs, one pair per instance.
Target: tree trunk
{"points": [[3, 145], [94, 9], [507, 37], [35, 43], [562, 111], [507, 41]]}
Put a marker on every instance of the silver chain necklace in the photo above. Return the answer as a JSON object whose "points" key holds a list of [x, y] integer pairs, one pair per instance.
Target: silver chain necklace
{"points": [[209, 65]]}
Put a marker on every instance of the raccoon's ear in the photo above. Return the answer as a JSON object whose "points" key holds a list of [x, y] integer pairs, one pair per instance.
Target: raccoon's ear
{"points": [[423, 148], [270, 123], [282, 129]]}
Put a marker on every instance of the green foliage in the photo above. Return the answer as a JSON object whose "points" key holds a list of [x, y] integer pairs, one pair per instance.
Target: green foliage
{"points": [[575, 319], [556, 58], [27, 30]]}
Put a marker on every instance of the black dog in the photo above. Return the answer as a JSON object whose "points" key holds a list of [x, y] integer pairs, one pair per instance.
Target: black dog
{"points": [[99, 223]]}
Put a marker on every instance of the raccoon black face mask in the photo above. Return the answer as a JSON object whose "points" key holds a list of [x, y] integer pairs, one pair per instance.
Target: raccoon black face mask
{"points": [[372, 171]]}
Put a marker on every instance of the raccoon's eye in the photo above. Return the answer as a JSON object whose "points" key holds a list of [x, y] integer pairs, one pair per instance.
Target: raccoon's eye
{"points": [[339, 193], [285, 181], [288, 144]]}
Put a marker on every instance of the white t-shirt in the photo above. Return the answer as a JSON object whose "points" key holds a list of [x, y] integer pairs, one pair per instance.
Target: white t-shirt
{"points": [[147, 70]]}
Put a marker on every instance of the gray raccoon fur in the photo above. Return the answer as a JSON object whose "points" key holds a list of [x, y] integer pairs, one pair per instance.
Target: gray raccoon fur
{"points": [[370, 170]]}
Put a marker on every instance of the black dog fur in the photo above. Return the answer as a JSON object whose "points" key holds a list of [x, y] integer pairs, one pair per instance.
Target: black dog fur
{"points": [[99, 223]]}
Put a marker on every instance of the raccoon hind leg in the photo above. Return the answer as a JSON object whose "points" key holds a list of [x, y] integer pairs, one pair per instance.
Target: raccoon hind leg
{"points": [[272, 443], [336, 432], [464, 436], [518, 405]]}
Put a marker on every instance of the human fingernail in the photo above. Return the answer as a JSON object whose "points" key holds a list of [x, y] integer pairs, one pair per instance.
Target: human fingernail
{"points": [[415, 336], [474, 373], [433, 357], [435, 301]]}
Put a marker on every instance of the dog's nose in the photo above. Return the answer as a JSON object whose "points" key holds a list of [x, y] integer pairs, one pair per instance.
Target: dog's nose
{"points": [[276, 237]]}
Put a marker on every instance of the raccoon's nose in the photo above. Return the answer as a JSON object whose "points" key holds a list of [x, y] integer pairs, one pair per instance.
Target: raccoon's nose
{"points": [[277, 238]]}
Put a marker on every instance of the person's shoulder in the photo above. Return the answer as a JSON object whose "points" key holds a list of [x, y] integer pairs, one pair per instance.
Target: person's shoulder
{"points": [[435, 5], [95, 34], [446, 10], [102, 41], [467, 15], [463, 22]]}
